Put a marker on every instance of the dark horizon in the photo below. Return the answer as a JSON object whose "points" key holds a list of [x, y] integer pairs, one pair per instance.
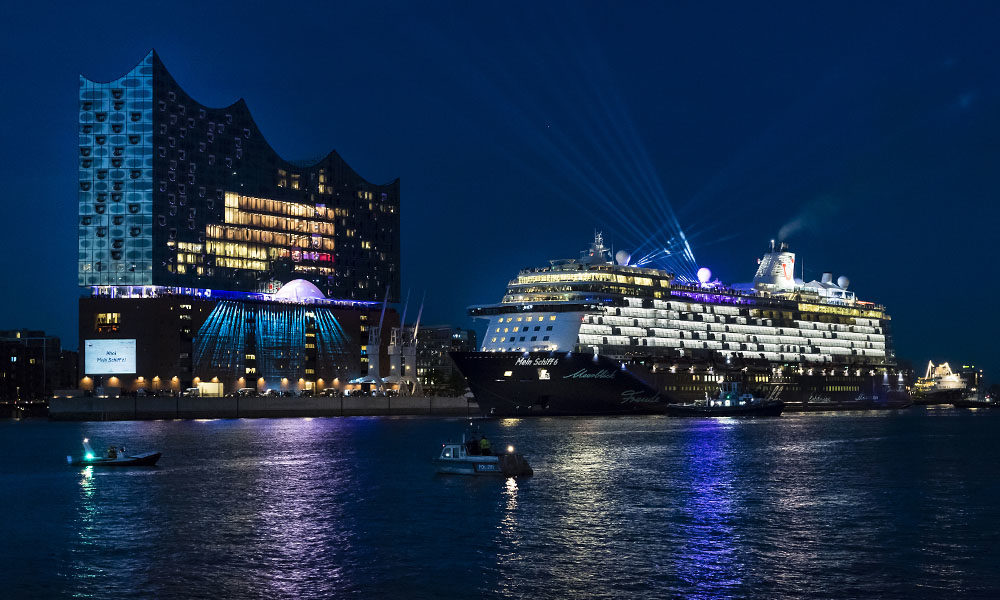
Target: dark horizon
{"points": [[866, 134]]}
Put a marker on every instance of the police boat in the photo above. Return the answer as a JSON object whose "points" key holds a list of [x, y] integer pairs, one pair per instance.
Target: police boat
{"points": [[468, 457], [114, 457]]}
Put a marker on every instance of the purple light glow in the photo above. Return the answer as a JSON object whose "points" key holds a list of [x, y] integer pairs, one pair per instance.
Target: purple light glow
{"points": [[712, 298]]}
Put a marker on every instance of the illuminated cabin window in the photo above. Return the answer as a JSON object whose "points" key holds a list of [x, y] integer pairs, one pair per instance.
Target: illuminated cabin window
{"points": [[107, 322]]}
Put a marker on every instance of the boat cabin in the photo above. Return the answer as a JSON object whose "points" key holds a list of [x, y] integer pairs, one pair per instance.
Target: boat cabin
{"points": [[453, 451], [729, 395]]}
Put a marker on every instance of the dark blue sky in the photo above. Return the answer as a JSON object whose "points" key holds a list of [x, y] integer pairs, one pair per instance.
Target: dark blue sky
{"points": [[519, 128]]}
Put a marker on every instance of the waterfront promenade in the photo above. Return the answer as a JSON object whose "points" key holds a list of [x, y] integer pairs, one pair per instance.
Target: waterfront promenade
{"points": [[83, 408]]}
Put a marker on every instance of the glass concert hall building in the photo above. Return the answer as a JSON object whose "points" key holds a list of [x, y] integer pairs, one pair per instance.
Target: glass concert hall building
{"points": [[189, 226]]}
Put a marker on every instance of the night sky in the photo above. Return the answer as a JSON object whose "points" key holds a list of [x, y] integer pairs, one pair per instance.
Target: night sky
{"points": [[869, 134]]}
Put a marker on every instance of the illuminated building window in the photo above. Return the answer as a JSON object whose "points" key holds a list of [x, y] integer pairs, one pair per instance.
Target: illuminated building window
{"points": [[107, 322]]}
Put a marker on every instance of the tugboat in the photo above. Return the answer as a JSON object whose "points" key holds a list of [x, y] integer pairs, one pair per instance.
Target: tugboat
{"points": [[114, 457], [729, 403], [474, 457]]}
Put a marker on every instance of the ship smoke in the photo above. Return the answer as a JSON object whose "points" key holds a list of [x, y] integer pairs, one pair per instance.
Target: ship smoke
{"points": [[813, 217]]}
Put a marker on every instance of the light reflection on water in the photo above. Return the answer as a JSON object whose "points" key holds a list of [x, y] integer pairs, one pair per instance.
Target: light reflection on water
{"points": [[706, 558], [806, 506], [87, 517]]}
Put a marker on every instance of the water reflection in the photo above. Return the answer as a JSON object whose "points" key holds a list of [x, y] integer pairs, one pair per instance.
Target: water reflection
{"points": [[508, 541], [509, 534], [808, 506], [706, 560], [83, 570], [300, 512]]}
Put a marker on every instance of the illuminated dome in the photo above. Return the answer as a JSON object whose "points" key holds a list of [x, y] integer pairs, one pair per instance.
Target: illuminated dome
{"points": [[299, 290]]}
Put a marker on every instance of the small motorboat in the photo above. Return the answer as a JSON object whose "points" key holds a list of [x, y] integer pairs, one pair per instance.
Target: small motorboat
{"points": [[730, 402], [974, 401], [466, 458], [114, 457]]}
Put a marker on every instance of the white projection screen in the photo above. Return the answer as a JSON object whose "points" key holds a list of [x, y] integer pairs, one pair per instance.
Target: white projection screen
{"points": [[109, 357]]}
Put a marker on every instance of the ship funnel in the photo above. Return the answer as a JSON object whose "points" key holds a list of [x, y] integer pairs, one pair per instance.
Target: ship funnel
{"points": [[776, 272], [827, 277], [843, 281]]}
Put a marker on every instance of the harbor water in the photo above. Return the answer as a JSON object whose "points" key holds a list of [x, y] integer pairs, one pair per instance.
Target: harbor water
{"points": [[847, 505]]}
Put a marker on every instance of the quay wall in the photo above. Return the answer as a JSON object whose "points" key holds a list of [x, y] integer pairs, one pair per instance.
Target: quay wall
{"points": [[83, 408]]}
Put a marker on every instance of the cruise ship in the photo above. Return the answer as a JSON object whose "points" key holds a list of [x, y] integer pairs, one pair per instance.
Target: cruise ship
{"points": [[597, 336]]}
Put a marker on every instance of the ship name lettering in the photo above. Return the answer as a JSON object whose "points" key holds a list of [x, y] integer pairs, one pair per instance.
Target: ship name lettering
{"points": [[585, 374], [639, 397], [537, 362]]}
